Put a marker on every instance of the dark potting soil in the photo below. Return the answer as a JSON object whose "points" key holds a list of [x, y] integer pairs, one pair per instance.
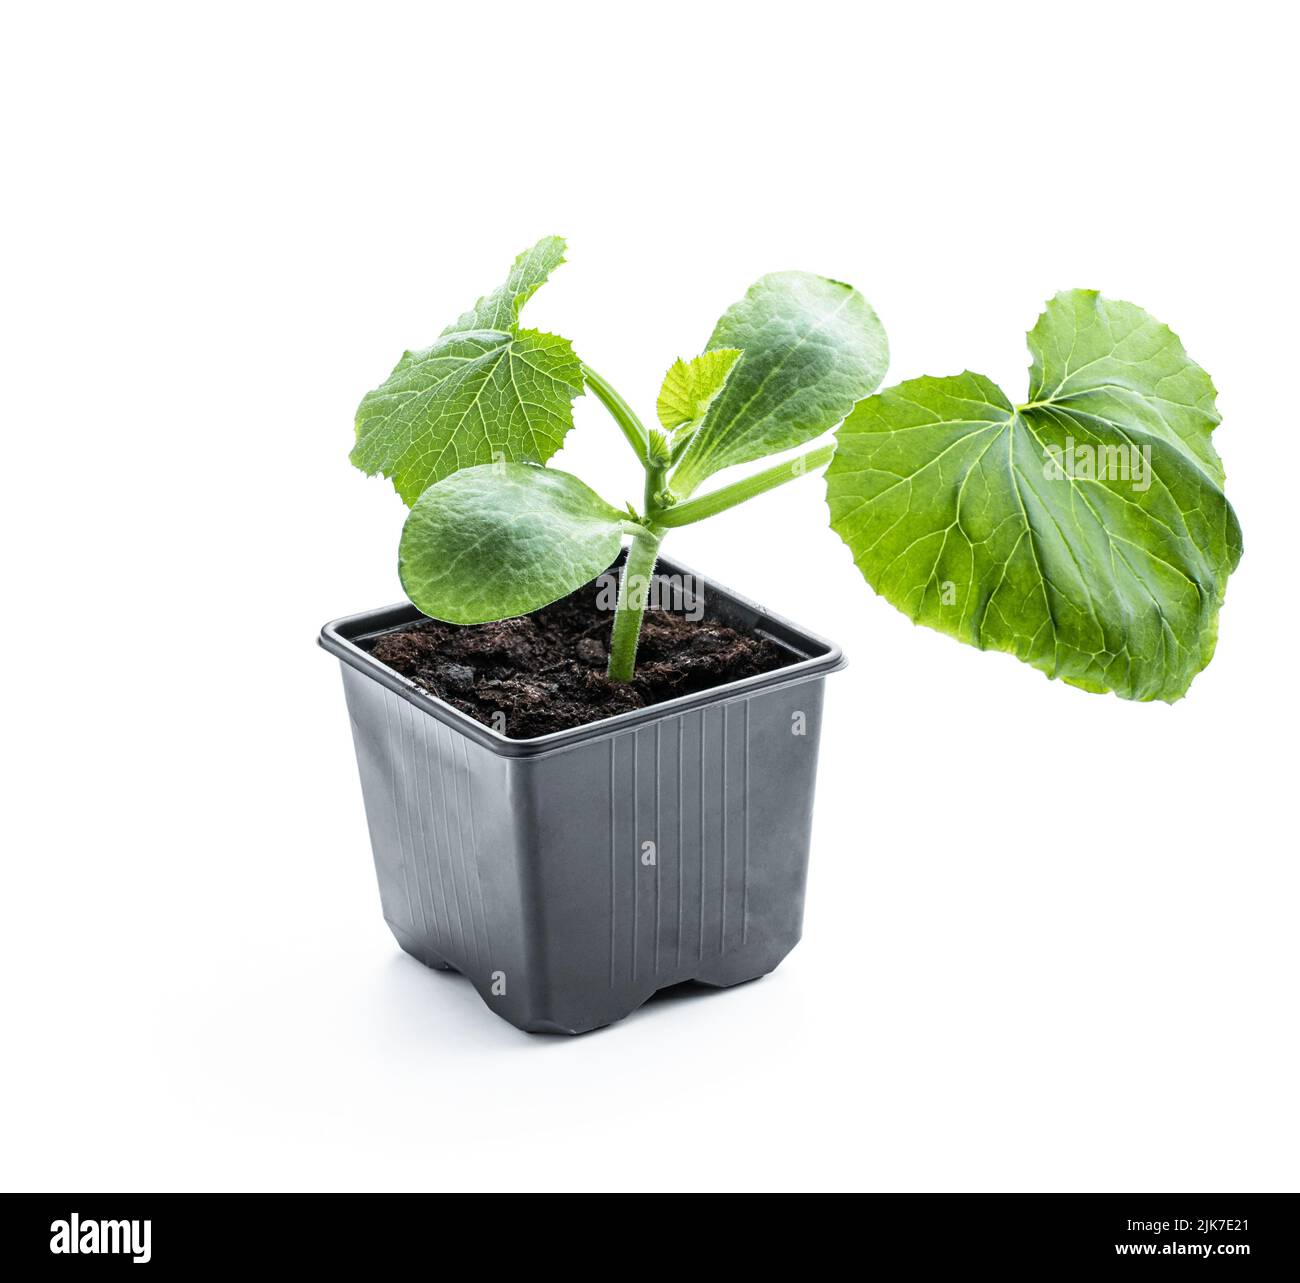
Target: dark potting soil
{"points": [[546, 671]]}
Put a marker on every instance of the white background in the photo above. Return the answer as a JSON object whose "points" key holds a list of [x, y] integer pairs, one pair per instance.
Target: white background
{"points": [[1050, 938]]}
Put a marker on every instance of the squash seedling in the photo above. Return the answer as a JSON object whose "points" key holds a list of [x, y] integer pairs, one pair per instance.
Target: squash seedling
{"points": [[462, 427], [1085, 530], [572, 872]]}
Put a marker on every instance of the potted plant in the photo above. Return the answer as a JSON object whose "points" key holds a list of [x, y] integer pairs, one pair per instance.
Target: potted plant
{"points": [[573, 829]]}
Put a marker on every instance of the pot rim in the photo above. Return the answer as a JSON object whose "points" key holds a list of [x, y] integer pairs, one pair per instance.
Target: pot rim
{"points": [[341, 637]]}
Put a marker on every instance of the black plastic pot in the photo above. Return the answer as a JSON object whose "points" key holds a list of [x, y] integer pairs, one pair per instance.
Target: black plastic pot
{"points": [[572, 875]]}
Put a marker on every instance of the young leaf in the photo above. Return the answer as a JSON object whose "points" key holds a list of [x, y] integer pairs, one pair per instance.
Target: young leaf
{"points": [[810, 348], [1085, 532], [504, 539], [485, 390], [500, 309], [690, 386]]}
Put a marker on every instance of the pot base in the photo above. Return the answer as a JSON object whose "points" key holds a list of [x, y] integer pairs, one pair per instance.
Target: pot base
{"points": [[736, 971]]}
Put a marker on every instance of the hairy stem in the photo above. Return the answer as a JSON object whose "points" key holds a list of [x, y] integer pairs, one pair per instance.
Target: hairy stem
{"points": [[655, 474], [709, 505], [633, 593]]}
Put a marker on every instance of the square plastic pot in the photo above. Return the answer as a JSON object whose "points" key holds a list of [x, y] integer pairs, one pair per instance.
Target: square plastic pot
{"points": [[572, 875]]}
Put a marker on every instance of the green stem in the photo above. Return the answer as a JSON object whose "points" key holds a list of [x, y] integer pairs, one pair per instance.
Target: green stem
{"points": [[683, 514], [643, 552], [624, 415], [633, 593], [655, 474]]}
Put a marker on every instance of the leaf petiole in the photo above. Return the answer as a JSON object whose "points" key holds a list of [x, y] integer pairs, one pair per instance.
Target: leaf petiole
{"points": [[624, 415], [708, 505]]}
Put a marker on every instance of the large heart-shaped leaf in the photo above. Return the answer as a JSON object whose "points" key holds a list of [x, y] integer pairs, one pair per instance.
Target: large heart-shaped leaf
{"points": [[810, 348], [503, 539], [486, 390], [1085, 532]]}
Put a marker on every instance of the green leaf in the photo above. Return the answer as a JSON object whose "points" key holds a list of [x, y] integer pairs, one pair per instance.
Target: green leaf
{"points": [[690, 386], [485, 391], [1100, 359], [504, 539], [500, 309], [810, 348], [1085, 532]]}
